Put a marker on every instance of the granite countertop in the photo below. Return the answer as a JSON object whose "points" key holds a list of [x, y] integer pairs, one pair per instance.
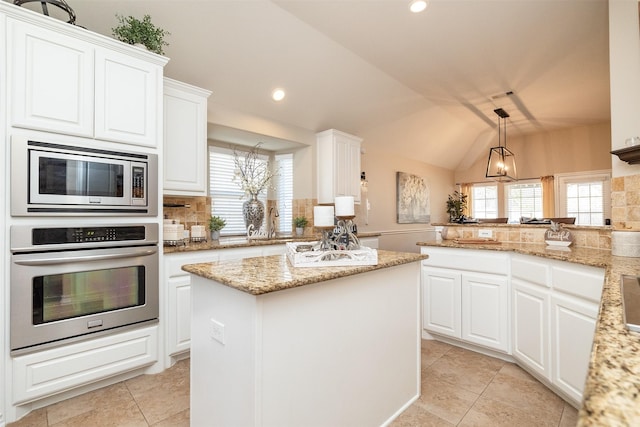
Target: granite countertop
{"points": [[261, 275], [242, 242], [612, 390]]}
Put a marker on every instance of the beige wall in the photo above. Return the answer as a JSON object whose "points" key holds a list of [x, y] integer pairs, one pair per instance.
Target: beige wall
{"points": [[381, 168], [584, 148]]}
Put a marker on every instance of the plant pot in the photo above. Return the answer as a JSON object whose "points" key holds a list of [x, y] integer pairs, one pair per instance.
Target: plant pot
{"points": [[215, 235], [299, 231]]}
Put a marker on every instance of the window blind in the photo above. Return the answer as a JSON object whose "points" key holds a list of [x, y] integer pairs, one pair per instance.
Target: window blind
{"points": [[284, 189]]}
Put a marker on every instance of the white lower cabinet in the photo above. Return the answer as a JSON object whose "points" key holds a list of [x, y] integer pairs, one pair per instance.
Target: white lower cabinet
{"points": [[178, 288], [469, 305], [485, 310], [573, 325], [555, 307], [531, 327], [441, 295]]}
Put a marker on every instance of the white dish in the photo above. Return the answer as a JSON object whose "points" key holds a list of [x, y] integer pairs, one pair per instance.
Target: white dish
{"points": [[558, 242]]}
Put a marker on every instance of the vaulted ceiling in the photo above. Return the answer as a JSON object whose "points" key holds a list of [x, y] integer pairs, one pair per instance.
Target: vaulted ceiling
{"points": [[425, 83]]}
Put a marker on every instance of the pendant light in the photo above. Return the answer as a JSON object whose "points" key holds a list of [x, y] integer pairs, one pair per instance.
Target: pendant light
{"points": [[502, 162]]}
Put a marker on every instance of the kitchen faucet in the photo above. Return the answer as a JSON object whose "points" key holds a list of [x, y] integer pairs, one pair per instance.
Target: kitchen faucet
{"points": [[273, 214]]}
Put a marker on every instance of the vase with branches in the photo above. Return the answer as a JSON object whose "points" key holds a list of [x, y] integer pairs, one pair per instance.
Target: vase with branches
{"points": [[253, 175]]}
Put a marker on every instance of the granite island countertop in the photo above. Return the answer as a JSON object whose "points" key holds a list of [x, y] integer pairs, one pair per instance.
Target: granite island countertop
{"points": [[243, 242], [261, 275], [612, 390]]}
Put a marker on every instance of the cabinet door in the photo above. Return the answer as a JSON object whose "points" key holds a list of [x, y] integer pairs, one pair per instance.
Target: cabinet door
{"points": [[347, 161], [485, 310], [126, 98], [573, 323], [441, 301], [179, 322], [185, 141], [338, 163], [531, 327], [51, 80]]}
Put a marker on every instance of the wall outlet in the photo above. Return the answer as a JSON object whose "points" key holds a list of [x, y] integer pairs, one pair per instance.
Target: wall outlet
{"points": [[485, 233], [216, 331]]}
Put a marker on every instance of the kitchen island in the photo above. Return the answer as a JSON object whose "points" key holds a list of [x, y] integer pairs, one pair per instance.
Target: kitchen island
{"points": [[275, 345]]}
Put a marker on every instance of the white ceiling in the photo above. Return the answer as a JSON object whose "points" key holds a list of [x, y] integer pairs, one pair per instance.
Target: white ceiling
{"points": [[425, 84]]}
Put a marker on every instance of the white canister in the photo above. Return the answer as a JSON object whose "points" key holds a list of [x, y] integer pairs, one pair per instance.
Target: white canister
{"points": [[198, 231]]}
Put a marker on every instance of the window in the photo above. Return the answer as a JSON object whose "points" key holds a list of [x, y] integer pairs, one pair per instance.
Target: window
{"points": [[484, 201], [583, 196], [284, 189], [227, 197], [523, 199]]}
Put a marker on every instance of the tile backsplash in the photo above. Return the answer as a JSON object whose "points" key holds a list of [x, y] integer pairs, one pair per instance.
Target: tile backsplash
{"points": [[625, 203], [187, 210]]}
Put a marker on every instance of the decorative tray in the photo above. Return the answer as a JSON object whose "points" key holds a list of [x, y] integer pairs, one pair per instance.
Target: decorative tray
{"points": [[329, 258]]}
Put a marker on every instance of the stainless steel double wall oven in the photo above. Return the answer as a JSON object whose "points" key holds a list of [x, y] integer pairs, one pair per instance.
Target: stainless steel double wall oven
{"points": [[74, 278]]}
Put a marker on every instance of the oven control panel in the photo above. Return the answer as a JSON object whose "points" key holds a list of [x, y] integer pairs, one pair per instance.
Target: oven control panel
{"points": [[62, 235]]}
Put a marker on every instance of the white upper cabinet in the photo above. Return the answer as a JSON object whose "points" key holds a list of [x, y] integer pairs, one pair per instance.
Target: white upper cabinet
{"points": [[51, 80], [127, 93], [64, 82], [185, 139], [338, 165]]}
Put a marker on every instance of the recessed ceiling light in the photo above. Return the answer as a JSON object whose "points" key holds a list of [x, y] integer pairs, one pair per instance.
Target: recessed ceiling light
{"points": [[417, 6], [278, 94]]}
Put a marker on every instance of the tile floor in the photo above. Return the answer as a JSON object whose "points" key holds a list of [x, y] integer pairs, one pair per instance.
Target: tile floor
{"points": [[459, 388]]}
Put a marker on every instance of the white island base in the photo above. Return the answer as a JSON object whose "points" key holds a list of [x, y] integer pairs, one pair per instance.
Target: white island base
{"points": [[341, 352]]}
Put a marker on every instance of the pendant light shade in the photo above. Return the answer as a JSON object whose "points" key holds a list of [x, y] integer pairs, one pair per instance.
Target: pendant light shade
{"points": [[502, 162]]}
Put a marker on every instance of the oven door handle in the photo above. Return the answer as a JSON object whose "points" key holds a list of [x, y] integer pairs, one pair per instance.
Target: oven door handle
{"points": [[49, 260]]}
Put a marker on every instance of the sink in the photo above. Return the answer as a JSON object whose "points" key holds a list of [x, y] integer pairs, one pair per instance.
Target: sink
{"points": [[630, 288]]}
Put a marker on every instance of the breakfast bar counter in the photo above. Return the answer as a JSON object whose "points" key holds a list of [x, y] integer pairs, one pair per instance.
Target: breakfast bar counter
{"points": [[277, 345]]}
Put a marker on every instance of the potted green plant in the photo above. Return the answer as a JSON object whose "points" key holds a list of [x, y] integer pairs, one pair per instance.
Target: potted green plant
{"points": [[134, 31], [216, 224], [456, 206], [300, 223]]}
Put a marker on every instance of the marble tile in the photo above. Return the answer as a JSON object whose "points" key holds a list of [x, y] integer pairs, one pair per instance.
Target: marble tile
{"points": [[37, 418], [465, 369], [488, 412], [432, 350], [159, 403], [514, 387], [177, 375], [111, 406], [569, 416], [94, 401], [181, 419], [444, 400], [416, 416]]}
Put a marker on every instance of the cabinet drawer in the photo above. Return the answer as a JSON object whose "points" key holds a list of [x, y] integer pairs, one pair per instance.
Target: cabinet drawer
{"points": [[481, 261], [579, 280], [52, 371], [530, 271], [174, 262]]}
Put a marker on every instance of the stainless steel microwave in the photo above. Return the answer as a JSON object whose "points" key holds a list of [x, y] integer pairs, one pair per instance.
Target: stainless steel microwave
{"points": [[63, 179]]}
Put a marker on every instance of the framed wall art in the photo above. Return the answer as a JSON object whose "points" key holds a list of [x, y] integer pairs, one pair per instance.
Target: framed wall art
{"points": [[412, 203]]}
